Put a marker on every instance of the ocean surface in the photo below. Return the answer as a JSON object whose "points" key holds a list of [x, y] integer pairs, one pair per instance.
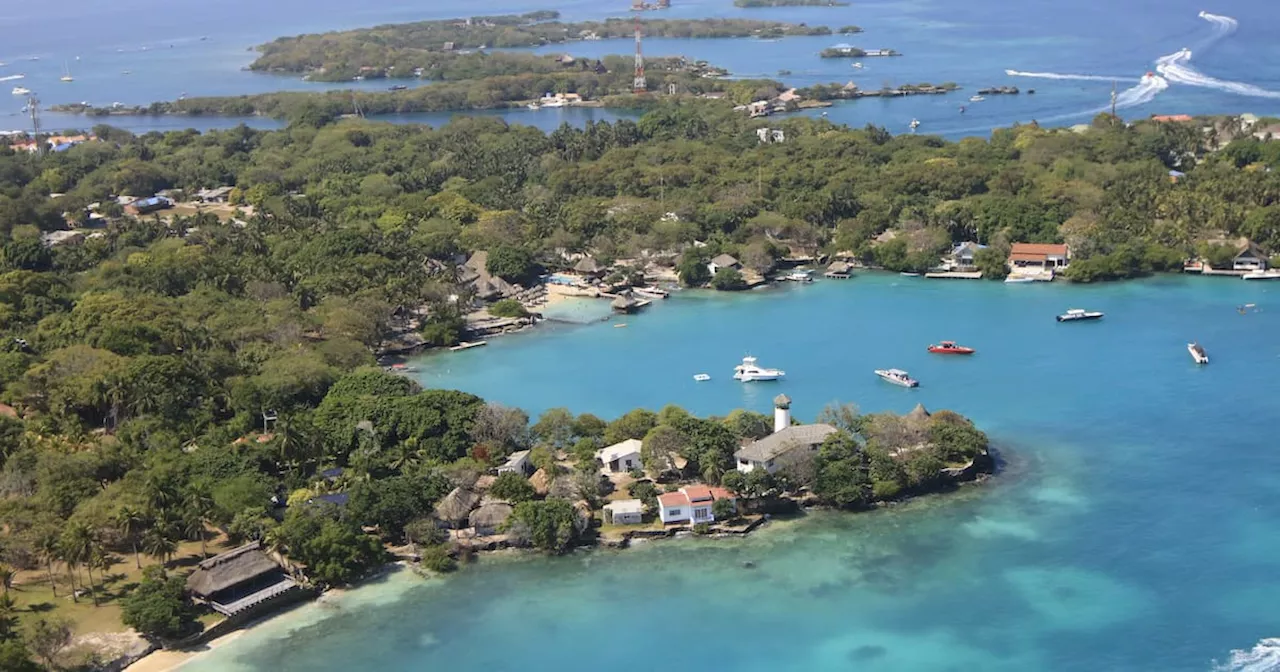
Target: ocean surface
{"points": [[1132, 525], [1069, 52]]}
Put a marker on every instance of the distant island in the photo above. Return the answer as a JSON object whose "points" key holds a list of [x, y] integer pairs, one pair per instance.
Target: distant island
{"points": [[433, 49], [748, 4], [846, 51]]}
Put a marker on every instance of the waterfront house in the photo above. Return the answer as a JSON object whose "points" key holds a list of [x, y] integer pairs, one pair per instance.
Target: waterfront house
{"points": [[452, 511], [788, 444], [489, 518], [1250, 258], [962, 257], [517, 463], [624, 512], [239, 581], [839, 270], [723, 261], [623, 456], [691, 504], [589, 267], [1039, 257]]}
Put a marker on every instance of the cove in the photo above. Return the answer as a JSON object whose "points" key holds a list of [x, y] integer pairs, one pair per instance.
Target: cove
{"points": [[1132, 527]]}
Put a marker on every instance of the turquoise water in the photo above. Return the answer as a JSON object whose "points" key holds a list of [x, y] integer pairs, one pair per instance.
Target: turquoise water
{"points": [[1235, 67], [1132, 527]]}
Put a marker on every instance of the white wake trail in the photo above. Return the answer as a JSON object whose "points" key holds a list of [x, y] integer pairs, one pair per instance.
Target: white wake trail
{"points": [[1263, 657], [1144, 92], [1055, 75], [1176, 68], [10, 78]]}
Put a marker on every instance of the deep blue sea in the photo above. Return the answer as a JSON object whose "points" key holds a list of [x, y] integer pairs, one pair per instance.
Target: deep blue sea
{"points": [[1077, 48], [1132, 526]]}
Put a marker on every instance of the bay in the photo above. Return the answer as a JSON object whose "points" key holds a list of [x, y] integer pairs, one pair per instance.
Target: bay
{"points": [[202, 49], [1131, 526]]}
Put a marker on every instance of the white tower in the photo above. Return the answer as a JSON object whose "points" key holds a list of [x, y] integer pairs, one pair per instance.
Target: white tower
{"points": [[781, 413]]}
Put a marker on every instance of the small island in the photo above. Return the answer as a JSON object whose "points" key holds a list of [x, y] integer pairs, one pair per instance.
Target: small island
{"points": [[749, 4], [849, 51], [413, 50]]}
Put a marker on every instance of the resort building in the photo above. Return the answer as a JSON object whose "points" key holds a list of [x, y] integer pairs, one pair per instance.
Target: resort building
{"points": [[962, 257], [623, 456], [453, 510], [517, 463], [590, 268], [240, 580], [1039, 257], [624, 512], [787, 445], [1251, 258], [691, 504]]}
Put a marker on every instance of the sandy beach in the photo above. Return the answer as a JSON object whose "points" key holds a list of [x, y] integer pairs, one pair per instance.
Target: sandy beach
{"points": [[163, 660]]}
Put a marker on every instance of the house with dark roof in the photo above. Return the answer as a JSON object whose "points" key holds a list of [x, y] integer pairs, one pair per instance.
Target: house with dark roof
{"points": [[788, 444], [723, 261], [144, 206], [240, 581], [1250, 258]]}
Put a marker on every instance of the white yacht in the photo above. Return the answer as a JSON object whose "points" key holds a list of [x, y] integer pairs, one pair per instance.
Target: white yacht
{"points": [[1198, 353], [21, 91], [798, 276], [1077, 314], [1260, 274], [749, 371], [915, 123], [898, 377], [702, 377], [976, 99]]}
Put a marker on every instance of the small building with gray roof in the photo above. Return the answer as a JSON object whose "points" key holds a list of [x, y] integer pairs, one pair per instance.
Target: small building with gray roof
{"points": [[787, 445]]}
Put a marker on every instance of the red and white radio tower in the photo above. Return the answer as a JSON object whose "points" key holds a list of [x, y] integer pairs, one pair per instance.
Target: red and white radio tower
{"points": [[640, 86]]}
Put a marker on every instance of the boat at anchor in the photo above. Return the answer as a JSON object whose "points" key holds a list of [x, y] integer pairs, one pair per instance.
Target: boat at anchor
{"points": [[750, 370], [1198, 353], [898, 377]]}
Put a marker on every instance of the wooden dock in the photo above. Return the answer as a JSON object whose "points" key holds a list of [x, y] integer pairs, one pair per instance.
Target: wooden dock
{"points": [[955, 275], [467, 345]]}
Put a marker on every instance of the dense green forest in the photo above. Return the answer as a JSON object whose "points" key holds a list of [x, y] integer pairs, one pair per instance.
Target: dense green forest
{"points": [[416, 49], [140, 360]]}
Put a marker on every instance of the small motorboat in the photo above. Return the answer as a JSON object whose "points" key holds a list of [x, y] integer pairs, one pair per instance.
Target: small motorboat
{"points": [[909, 274], [857, 65], [950, 348], [1269, 274], [21, 91], [1198, 353], [1078, 314], [976, 99], [1018, 279], [898, 377], [798, 276], [915, 123], [398, 87], [749, 371], [702, 377]]}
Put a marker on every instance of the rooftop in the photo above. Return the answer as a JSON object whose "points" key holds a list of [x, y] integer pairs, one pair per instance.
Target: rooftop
{"points": [[784, 441], [626, 506], [1037, 249], [229, 569], [724, 260], [617, 450], [517, 457]]}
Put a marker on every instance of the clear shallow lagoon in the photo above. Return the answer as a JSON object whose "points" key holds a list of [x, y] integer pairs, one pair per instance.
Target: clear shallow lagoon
{"points": [[1132, 528], [972, 43]]}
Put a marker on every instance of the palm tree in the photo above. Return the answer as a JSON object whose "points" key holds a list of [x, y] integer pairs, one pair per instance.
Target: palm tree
{"points": [[130, 522], [199, 508], [158, 545], [76, 544]]}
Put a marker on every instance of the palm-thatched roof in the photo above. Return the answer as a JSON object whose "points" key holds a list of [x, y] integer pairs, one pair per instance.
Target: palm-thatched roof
{"points": [[588, 266], [919, 413], [229, 569], [490, 516], [455, 506]]}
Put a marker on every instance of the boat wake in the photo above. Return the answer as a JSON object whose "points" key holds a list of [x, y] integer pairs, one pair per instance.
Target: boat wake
{"points": [[1263, 657], [1177, 68], [10, 78], [1144, 92], [1054, 75]]}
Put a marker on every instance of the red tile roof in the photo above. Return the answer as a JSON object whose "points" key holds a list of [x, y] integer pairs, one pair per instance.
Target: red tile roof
{"points": [[1170, 117], [669, 499], [698, 493], [1035, 251]]}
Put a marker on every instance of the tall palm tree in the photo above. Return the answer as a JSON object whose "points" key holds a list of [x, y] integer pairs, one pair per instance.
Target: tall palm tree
{"points": [[158, 545], [47, 547], [198, 505], [131, 522], [77, 548]]}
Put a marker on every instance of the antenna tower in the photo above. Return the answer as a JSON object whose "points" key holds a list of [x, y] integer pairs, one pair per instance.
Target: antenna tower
{"points": [[1113, 102], [33, 108], [640, 85]]}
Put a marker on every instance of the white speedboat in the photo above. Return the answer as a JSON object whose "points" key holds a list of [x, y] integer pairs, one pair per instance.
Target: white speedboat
{"points": [[1078, 314], [1018, 279], [1271, 274], [798, 276], [533, 106], [976, 99], [702, 377], [749, 370], [857, 65], [898, 377], [915, 123], [21, 91], [1198, 353]]}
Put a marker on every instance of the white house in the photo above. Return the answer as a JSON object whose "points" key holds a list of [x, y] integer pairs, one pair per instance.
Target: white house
{"points": [[691, 504], [963, 255], [788, 444], [624, 512], [517, 463], [623, 456]]}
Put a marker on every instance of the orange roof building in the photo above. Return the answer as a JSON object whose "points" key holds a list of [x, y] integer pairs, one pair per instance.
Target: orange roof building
{"points": [[691, 504], [1039, 255]]}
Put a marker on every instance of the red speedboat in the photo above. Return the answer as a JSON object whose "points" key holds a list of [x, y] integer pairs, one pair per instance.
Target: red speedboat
{"points": [[950, 348]]}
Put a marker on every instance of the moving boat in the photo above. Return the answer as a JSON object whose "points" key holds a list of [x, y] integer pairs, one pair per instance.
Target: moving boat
{"points": [[857, 65], [749, 371], [1077, 314], [976, 99], [21, 91], [915, 123], [702, 377], [898, 377], [66, 73], [950, 348], [1198, 353], [1272, 274]]}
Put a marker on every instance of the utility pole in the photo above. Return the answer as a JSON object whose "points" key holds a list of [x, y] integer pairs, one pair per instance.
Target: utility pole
{"points": [[33, 108], [1113, 103]]}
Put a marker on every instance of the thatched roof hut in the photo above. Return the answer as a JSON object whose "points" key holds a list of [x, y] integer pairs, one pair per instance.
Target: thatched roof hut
{"points": [[625, 303], [589, 266], [454, 508], [919, 414], [239, 580], [488, 518]]}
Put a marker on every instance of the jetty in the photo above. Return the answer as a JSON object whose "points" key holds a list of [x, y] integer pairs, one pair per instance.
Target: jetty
{"points": [[467, 345], [954, 275]]}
